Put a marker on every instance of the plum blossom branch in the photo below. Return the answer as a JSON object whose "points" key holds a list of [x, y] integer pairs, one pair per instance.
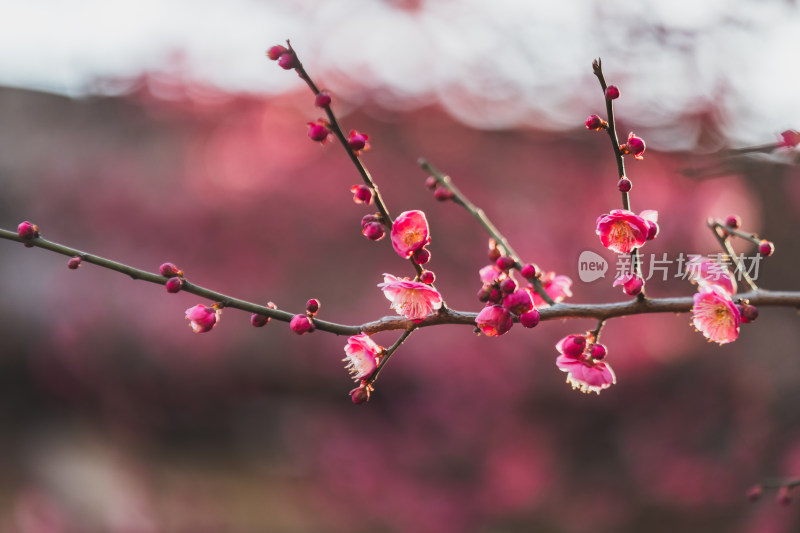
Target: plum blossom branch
{"points": [[719, 231], [597, 68], [459, 198], [387, 354]]}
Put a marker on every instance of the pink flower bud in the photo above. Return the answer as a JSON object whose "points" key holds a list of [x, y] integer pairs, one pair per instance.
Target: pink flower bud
{"points": [[598, 352], [318, 131], [766, 248], [494, 253], [421, 256], [442, 194], [790, 138], [174, 284], [508, 285], [624, 184], [529, 271], [287, 60], [504, 263], [323, 99], [74, 262], [357, 141], [360, 394], [596, 123], [635, 146], [366, 219], [519, 302], [733, 221], [494, 320], [529, 319], [312, 306], [484, 292], [431, 182], [784, 495], [749, 312], [631, 284], [572, 345], [755, 492], [373, 231], [495, 296], [427, 277], [169, 270], [301, 324], [202, 318], [361, 194], [259, 321], [276, 51], [612, 92], [28, 230]]}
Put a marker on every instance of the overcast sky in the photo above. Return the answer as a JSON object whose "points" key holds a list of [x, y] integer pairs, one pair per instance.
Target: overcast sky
{"points": [[493, 64]]}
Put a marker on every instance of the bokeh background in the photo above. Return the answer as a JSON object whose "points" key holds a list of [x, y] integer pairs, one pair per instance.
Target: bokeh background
{"points": [[155, 132]]}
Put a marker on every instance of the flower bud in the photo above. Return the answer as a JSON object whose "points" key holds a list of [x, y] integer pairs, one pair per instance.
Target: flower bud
{"points": [[287, 60], [360, 394], [749, 312], [442, 194], [494, 320], [361, 194], [573, 345], [276, 51], [427, 277], [624, 184], [519, 302], [529, 319], [494, 253], [174, 284], [790, 138], [633, 286], [169, 270], [766, 248], [529, 271], [421, 256], [373, 231], [74, 262], [733, 221], [504, 262], [755, 492], [612, 92], [784, 495], [259, 321], [301, 324], [598, 352], [28, 230], [323, 99], [495, 295], [596, 123], [635, 146], [357, 141], [508, 285], [312, 306], [431, 182], [317, 131]]}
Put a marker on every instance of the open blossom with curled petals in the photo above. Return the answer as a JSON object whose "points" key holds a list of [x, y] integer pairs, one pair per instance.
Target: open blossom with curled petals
{"points": [[494, 320], [708, 273], [584, 372], [715, 315], [411, 299], [490, 273], [409, 233], [558, 287], [621, 230], [362, 356], [202, 318]]}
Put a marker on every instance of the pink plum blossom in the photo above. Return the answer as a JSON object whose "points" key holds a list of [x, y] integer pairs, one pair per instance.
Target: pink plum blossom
{"points": [[202, 318], [410, 233], [362, 356], [490, 273], [708, 273], [584, 372], [494, 320], [715, 315], [411, 299], [621, 230], [558, 287]]}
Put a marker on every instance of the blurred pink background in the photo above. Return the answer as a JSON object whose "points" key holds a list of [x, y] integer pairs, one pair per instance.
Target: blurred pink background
{"points": [[116, 417]]}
